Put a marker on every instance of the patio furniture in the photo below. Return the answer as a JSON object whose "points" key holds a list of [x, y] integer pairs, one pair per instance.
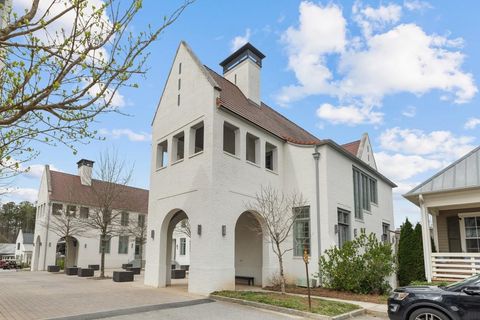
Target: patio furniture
{"points": [[178, 274], [126, 265], [248, 279], [94, 266], [122, 276], [85, 272], [134, 270], [53, 268], [71, 271]]}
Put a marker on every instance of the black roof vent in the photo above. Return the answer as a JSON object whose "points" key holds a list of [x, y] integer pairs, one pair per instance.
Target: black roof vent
{"points": [[85, 162], [247, 51]]}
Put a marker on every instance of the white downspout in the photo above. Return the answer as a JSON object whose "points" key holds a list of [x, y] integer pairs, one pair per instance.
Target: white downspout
{"points": [[427, 246], [316, 157]]}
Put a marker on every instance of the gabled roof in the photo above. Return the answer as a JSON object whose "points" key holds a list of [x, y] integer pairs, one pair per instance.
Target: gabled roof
{"points": [[7, 248], [352, 147], [27, 238], [462, 174], [233, 99], [68, 188]]}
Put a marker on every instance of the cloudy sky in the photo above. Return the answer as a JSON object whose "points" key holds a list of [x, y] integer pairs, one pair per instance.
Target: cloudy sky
{"points": [[404, 71]]}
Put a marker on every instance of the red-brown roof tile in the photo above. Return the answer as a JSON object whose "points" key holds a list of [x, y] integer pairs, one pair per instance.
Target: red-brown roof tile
{"points": [[352, 147], [233, 99], [68, 188]]}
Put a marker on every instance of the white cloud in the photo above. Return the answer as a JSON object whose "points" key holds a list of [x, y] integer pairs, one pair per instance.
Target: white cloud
{"points": [[349, 115], [410, 112], [239, 41], [116, 99], [400, 167], [19, 194], [472, 123], [441, 145], [36, 170], [372, 19], [413, 5], [130, 134]]}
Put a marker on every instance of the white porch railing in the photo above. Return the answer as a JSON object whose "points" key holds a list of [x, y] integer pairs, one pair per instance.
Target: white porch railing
{"points": [[454, 265]]}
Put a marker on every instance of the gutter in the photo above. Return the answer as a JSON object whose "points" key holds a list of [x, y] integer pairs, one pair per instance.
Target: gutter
{"points": [[316, 157]]}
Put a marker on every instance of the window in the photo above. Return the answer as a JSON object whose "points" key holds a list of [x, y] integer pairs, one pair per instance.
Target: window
{"points": [[472, 234], [343, 226], [71, 211], [364, 192], [18, 246], [178, 100], [253, 146], [124, 218], [179, 146], [385, 233], [270, 157], [84, 212], [196, 144], [179, 83], [123, 244], [230, 138], [141, 220], [162, 154], [180, 68], [57, 209], [104, 244], [301, 231], [183, 246], [107, 216]]}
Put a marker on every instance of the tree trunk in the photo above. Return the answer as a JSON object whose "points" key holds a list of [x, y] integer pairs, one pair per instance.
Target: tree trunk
{"points": [[102, 262], [67, 251], [280, 264]]}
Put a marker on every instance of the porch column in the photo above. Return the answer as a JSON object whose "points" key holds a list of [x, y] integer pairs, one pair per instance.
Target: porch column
{"points": [[427, 246]]}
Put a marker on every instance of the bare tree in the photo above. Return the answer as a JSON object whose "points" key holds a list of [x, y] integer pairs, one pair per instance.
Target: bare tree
{"points": [[109, 196], [184, 228], [62, 63], [137, 228], [278, 212]]}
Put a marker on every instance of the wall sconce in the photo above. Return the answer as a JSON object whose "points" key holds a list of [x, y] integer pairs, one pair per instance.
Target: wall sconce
{"points": [[199, 229], [152, 234], [131, 246], [336, 228], [224, 230], [49, 244], [85, 246]]}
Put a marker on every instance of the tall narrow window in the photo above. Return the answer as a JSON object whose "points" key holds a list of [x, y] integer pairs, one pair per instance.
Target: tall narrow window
{"points": [[343, 226], [252, 148], [364, 192], [230, 138], [124, 218], [183, 246], [373, 191], [180, 68], [84, 211], [162, 154], [141, 220], [104, 244], [270, 157], [179, 145], [472, 234], [123, 244], [196, 144], [301, 230], [385, 232], [179, 83], [178, 100]]}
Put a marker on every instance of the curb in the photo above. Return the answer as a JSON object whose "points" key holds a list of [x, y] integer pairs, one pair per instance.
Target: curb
{"points": [[304, 314]]}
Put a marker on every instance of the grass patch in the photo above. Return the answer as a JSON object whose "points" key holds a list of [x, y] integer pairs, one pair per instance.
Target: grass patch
{"points": [[320, 306]]}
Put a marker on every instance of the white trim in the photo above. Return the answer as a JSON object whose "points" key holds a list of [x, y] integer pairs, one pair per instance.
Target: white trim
{"points": [[463, 237]]}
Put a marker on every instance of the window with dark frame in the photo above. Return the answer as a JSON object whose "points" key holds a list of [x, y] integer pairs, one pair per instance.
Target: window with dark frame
{"points": [[179, 83], [364, 192], [84, 211], [179, 143], [198, 139], [123, 244], [104, 244], [270, 156], [57, 209], [180, 68], [183, 246], [301, 230], [71, 210], [141, 220], [124, 216], [385, 232], [343, 226], [230, 138], [252, 145]]}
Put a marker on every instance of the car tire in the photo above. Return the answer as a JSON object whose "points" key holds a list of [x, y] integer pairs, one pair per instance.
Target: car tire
{"points": [[428, 314]]}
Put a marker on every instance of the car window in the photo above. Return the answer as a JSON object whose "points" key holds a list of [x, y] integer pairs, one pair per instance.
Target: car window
{"points": [[470, 282]]}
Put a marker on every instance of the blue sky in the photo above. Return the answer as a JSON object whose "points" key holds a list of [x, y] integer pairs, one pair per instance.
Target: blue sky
{"points": [[406, 72]]}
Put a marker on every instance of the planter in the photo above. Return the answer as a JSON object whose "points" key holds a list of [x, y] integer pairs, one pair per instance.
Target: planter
{"points": [[126, 265], [178, 274], [85, 272], [134, 270], [53, 268], [122, 276], [94, 266]]}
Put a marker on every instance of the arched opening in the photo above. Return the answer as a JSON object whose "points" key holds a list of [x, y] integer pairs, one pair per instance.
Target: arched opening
{"points": [[250, 250], [176, 244], [36, 255], [67, 252]]}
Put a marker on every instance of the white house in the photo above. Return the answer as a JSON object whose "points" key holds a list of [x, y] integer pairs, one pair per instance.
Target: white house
{"points": [[181, 247], [7, 251], [24, 247], [62, 193], [215, 144], [450, 202]]}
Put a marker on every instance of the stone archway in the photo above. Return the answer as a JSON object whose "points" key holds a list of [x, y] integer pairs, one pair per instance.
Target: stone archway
{"points": [[67, 249]]}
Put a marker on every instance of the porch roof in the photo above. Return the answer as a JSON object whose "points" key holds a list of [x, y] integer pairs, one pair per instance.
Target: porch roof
{"points": [[460, 175]]}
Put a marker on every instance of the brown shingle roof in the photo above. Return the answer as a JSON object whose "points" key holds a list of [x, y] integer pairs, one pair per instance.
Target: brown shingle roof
{"points": [[68, 188], [352, 147], [233, 99]]}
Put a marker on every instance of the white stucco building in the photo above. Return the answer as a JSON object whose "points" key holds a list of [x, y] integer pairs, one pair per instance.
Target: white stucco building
{"points": [[215, 144], [62, 193], [24, 247]]}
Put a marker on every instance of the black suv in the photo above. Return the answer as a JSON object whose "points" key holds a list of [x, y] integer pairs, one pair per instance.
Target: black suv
{"points": [[458, 301]]}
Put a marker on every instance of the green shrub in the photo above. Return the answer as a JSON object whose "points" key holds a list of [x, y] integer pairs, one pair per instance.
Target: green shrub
{"points": [[61, 263], [360, 266]]}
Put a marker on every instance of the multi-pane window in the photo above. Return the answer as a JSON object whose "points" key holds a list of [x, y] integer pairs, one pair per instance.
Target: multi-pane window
{"points": [[364, 192], [162, 154], [57, 209], [385, 232], [124, 218], [71, 210], [183, 246], [230, 138], [270, 157], [343, 226], [141, 220], [472, 234], [179, 145], [123, 244], [104, 244], [252, 148], [197, 138], [301, 231], [84, 211]]}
